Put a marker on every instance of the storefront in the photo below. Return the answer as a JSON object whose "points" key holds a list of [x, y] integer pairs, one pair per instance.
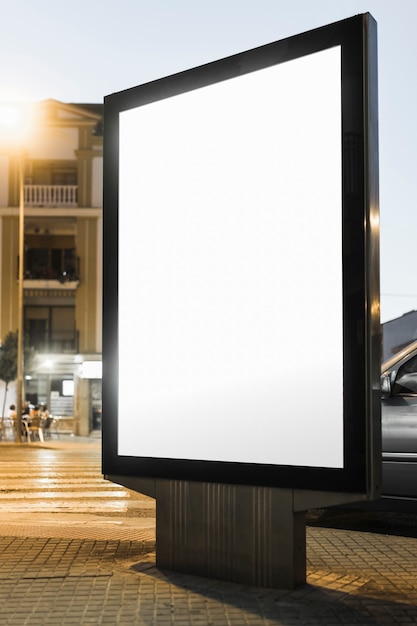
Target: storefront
{"points": [[70, 390]]}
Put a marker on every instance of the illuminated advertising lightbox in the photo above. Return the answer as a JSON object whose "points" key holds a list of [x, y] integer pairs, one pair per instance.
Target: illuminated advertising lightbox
{"points": [[237, 239]]}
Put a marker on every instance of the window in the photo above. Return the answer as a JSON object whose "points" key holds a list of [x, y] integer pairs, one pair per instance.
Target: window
{"points": [[51, 328], [46, 173], [64, 177]]}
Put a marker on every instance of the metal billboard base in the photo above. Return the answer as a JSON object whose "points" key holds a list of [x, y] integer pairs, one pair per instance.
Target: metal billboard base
{"points": [[249, 535], [244, 534]]}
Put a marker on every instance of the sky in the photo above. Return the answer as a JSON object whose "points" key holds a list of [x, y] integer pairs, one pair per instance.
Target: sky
{"points": [[83, 50]]}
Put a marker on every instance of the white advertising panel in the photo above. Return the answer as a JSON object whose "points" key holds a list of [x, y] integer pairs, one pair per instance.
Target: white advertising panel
{"points": [[230, 270]]}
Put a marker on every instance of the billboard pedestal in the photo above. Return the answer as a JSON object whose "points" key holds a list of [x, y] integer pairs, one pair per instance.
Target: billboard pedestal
{"points": [[244, 534]]}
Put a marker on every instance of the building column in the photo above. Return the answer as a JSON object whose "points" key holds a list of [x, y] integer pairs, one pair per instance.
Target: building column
{"points": [[82, 407]]}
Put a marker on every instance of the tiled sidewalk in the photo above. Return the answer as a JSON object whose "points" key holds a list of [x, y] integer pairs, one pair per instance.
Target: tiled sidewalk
{"points": [[353, 578]]}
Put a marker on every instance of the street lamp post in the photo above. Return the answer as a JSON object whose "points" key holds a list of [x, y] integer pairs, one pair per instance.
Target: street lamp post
{"points": [[14, 127], [20, 302]]}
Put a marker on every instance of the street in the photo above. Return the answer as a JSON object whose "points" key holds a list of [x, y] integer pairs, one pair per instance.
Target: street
{"points": [[55, 488]]}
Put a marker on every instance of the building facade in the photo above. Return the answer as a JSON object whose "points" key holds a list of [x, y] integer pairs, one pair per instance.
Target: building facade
{"points": [[62, 298]]}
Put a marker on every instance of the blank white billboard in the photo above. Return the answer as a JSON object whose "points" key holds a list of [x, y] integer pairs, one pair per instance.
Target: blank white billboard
{"points": [[230, 270]]}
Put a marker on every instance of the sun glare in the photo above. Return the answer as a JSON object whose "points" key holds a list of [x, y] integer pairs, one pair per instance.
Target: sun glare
{"points": [[15, 124], [9, 116]]}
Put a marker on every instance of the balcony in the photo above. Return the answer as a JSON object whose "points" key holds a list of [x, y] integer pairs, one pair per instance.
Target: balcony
{"points": [[57, 269], [51, 195]]}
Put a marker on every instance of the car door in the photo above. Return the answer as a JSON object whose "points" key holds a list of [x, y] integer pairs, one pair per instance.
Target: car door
{"points": [[399, 432]]}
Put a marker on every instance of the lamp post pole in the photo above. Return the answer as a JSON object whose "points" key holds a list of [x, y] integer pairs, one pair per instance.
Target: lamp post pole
{"points": [[12, 119], [20, 303]]}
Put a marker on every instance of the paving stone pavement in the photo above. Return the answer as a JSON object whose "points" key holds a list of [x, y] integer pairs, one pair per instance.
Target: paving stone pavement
{"points": [[80, 574], [353, 578]]}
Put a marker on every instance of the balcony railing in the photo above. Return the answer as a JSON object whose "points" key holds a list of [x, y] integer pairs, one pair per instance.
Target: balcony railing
{"points": [[51, 195]]}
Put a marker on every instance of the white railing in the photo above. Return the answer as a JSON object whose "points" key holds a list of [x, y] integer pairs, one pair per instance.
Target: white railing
{"points": [[51, 195]]}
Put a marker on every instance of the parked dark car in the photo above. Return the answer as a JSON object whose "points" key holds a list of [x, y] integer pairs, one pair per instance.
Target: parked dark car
{"points": [[399, 425]]}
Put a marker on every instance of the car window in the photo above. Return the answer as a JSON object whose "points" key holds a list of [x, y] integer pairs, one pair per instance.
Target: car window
{"points": [[406, 379]]}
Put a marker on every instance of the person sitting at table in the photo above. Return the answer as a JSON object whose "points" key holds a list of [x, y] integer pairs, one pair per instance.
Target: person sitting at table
{"points": [[12, 419], [44, 412], [12, 413], [34, 412], [47, 420], [25, 418]]}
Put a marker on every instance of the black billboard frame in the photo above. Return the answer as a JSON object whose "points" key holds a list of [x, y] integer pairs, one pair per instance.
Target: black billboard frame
{"points": [[360, 218]]}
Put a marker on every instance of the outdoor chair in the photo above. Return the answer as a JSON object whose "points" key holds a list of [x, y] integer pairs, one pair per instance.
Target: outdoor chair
{"points": [[7, 429], [34, 426], [46, 426]]}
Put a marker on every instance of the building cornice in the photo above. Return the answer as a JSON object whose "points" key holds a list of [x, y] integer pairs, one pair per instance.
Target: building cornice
{"points": [[79, 212]]}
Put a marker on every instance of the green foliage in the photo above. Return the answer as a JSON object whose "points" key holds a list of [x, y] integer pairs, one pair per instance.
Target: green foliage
{"points": [[8, 358], [8, 362]]}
